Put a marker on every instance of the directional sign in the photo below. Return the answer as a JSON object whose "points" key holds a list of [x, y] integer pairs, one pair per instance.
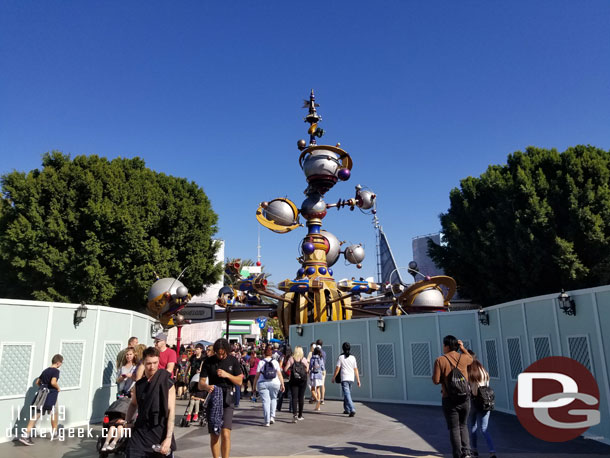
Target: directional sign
{"points": [[199, 312]]}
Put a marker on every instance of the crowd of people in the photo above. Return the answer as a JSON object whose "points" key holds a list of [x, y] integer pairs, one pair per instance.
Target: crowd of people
{"points": [[215, 378]]}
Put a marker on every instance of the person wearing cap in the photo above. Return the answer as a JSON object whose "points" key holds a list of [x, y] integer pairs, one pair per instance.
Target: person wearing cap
{"points": [[167, 356]]}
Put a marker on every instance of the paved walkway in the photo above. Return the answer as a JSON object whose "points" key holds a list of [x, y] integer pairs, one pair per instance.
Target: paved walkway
{"points": [[378, 430]]}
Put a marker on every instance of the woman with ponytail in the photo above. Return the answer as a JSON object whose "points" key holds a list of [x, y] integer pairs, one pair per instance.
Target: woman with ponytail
{"points": [[478, 377]]}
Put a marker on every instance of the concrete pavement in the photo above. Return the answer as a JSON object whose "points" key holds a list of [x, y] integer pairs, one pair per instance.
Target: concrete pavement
{"points": [[377, 430]]}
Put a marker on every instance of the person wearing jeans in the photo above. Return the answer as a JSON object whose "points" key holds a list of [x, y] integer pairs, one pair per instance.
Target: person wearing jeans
{"points": [[479, 377], [455, 410], [268, 388], [348, 368]]}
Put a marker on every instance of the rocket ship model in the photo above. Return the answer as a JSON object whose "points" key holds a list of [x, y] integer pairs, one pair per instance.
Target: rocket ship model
{"points": [[313, 295]]}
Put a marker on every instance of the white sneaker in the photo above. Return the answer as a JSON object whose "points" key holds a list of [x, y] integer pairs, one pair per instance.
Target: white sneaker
{"points": [[272, 420], [266, 424]]}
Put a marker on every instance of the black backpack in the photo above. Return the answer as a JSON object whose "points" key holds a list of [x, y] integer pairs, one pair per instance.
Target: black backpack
{"points": [[485, 399], [268, 371], [456, 384], [298, 371]]}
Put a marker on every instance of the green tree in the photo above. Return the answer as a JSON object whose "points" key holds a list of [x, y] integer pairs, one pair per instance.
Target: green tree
{"points": [[533, 226], [95, 230], [277, 329]]}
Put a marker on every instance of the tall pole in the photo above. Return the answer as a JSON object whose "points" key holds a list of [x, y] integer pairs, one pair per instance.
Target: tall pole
{"points": [[228, 315]]}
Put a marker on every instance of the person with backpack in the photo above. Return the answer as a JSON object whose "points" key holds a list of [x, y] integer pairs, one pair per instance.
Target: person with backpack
{"points": [[269, 382], [298, 367], [316, 371], [451, 372], [483, 402], [347, 369], [45, 399]]}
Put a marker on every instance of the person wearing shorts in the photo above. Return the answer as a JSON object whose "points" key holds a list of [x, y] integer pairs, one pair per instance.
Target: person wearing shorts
{"points": [[45, 399], [221, 371]]}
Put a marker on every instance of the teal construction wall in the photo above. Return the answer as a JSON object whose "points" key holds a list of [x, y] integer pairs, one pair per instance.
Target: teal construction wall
{"points": [[396, 364], [32, 332]]}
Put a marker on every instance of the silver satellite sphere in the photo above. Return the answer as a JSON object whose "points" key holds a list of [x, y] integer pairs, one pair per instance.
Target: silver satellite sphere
{"points": [[431, 297], [335, 246], [354, 254], [314, 206], [164, 285], [367, 199], [182, 291], [321, 162], [280, 212]]}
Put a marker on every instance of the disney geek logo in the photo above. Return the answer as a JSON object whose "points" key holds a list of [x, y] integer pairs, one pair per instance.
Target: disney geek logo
{"points": [[556, 399]]}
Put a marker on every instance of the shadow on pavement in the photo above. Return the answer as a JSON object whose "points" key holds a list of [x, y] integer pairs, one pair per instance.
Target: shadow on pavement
{"points": [[507, 433]]}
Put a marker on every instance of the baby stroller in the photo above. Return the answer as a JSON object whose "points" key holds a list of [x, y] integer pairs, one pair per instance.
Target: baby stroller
{"points": [[203, 397], [113, 417]]}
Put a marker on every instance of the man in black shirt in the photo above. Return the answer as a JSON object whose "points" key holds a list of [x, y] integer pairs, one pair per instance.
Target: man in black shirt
{"points": [[221, 371], [155, 402], [195, 361]]}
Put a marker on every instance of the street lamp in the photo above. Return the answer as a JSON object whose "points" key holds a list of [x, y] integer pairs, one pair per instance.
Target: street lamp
{"points": [[566, 303], [155, 329], [484, 317], [80, 314]]}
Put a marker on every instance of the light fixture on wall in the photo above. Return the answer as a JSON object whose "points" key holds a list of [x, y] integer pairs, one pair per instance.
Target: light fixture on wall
{"points": [[566, 303], [300, 329], [155, 329], [381, 324], [80, 314], [484, 317]]}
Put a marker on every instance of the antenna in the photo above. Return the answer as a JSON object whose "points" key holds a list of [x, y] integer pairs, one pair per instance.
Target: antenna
{"points": [[377, 241], [258, 246]]}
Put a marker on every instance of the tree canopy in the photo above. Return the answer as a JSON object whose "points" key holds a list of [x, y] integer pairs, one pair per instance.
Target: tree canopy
{"points": [[536, 225], [89, 229]]}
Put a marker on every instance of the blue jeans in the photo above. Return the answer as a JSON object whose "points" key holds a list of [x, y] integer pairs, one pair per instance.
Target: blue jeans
{"points": [[479, 420], [268, 389], [348, 404]]}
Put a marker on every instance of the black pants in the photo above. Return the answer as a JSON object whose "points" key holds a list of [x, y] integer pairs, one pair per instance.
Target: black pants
{"points": [[298, 395], [456, 414]]}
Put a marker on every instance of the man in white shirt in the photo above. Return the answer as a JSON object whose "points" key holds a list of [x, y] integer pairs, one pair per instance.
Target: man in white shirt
{"points": [[347, 365]]}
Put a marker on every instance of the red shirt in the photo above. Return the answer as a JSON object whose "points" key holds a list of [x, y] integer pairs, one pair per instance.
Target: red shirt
{"points": [[166, 357]]}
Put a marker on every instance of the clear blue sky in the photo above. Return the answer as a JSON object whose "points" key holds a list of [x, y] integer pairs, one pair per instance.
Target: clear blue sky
{"points": [[420, 93]]}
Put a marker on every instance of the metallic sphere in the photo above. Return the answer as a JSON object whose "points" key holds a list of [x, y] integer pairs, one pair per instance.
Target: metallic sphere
{"points": [[429, 298], [413, 265], [179, 319], [310, 270], [280, 212], [182, 291], [335, 246], [359, 266], [366, 199], [321, 163], [313, 207], [301, 144], [330, 272], [322, 270], [344, 174], [308, 247], [300, 272], [354, 254], [164, 285]]}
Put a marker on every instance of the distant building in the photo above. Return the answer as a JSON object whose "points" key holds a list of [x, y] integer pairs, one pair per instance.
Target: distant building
{"points": [[425, 264]]}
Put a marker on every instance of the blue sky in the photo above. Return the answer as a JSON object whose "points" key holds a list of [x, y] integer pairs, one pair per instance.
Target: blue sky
{"points": [[420, 93]]}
